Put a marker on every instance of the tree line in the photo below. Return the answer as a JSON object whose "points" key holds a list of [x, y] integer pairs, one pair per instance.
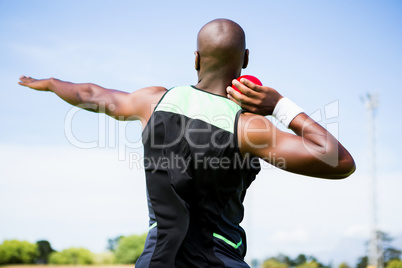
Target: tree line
{"points": [[391, 258], [303, 261], [127, 249], [121, 250]]}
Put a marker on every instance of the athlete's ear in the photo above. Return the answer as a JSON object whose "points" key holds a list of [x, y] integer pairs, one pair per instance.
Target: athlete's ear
{"points": [[197, 60], [245, 60]]}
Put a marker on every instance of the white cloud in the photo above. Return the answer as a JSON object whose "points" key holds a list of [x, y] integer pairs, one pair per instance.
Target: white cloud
{"points": [[357, 231], [288, 237]]}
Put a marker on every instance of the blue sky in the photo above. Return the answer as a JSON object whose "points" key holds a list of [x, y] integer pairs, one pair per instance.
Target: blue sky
{"points": [[318, 53]]}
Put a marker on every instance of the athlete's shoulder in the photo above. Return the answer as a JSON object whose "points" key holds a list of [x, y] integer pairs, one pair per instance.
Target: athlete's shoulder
{"points": [[149, 94], [138, 104], [152, 90]]}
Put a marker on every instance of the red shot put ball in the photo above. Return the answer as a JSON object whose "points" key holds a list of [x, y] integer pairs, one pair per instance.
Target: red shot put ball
{"points": [[251, 78]]}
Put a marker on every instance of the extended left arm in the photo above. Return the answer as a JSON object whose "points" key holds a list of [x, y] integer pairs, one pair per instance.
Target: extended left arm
{"points": [[118, 104]]}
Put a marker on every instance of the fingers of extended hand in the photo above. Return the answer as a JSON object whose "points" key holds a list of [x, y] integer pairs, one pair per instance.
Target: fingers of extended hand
{"points": [[24, 78], [26, 81]]}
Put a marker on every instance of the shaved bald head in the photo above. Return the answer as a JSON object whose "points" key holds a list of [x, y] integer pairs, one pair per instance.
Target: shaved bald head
{"points": [[220, 56], [221, 45]]}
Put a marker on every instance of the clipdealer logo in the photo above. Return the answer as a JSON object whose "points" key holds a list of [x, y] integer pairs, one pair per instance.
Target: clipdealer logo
{"points": [[114, 134]]}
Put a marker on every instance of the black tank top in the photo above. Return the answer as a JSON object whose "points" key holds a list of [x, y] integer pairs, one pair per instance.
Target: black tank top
{"points": [[196, 182]]}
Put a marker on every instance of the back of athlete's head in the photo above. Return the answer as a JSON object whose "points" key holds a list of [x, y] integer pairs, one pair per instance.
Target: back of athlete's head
{"points": [[221, 46]]}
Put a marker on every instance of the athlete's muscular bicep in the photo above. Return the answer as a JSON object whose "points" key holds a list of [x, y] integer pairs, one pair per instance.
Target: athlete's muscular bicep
{"points": [[313, 151]]}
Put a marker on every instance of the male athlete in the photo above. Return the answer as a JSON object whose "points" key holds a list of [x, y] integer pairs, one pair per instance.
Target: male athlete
{"points": [[201, 149]]}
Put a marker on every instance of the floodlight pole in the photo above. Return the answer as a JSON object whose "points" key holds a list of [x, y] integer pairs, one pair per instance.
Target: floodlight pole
{"points": [[375, 246]]}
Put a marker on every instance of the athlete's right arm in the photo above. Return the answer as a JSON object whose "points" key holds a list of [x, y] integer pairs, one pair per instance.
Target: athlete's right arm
{"points": [[117, 104], [310, 151]]}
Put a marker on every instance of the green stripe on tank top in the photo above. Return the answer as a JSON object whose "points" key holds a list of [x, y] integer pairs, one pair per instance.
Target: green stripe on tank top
{"points": [[227, 241], [198, 104], [152, 226]]}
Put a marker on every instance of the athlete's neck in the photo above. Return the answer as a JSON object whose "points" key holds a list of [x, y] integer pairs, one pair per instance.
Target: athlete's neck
{"points": [[215, 85]]}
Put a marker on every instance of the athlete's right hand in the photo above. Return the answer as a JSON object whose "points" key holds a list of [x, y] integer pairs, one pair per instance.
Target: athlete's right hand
{"points": [[256, 99], [41, 85]]}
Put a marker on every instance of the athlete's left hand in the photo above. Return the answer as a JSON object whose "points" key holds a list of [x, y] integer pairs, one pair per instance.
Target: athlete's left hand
{"points": [[37, 84], [256, 99]]}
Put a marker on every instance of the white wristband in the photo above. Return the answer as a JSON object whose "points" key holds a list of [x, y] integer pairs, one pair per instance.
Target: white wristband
{"points": [[286, 110]]}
